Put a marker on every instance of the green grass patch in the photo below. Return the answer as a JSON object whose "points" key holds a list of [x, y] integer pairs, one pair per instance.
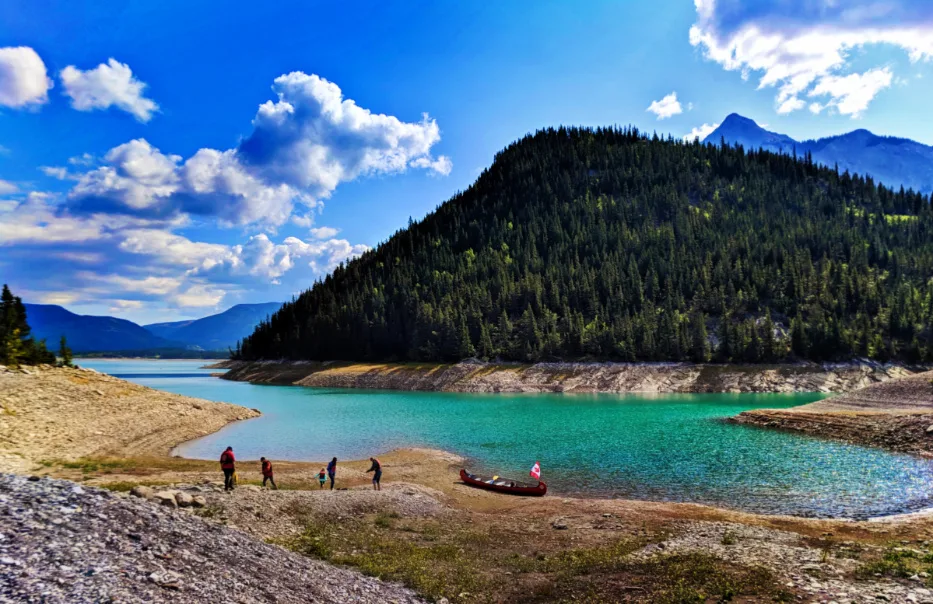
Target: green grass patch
{"points": [[211, 511], [466, 562], [699, 578], [127, 486], [435, 570], [897, 563], [129, 465]]}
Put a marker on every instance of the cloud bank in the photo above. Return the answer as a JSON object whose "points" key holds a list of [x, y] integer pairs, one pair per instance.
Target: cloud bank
{"points": [[803, 48], [302, 147], [125, 234], [127, 262]]}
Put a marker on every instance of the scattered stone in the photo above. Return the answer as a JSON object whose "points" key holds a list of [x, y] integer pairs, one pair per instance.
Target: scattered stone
{"points": [[166, 498], [142, 491], [129, 549], [184, 500], [199, 501]]}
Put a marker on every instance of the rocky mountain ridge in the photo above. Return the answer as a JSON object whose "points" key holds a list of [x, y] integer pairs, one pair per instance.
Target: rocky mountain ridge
{"points": [[893, 161]]}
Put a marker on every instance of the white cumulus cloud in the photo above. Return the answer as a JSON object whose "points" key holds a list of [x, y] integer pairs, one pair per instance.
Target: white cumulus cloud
{"points": [[313, 138], [666, 107], [324, 232], [24, 81], [700, 132], [110, 84], [802, 48]]}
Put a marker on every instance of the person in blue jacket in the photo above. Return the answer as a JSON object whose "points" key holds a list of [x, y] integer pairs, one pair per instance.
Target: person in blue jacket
{"points": [[332, 471]]}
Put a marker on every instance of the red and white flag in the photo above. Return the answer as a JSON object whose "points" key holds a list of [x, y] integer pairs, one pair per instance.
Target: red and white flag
{"points": [[536, 471]]}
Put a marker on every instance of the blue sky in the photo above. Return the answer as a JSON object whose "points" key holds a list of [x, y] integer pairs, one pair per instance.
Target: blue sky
{"points": [[164, 160]]}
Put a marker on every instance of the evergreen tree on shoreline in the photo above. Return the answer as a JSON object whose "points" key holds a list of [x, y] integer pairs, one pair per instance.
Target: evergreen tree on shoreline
{"points": [[17, 346], [64, 353]]}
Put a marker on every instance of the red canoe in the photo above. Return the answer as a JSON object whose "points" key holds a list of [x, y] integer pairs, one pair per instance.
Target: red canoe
{"points": [[503, 485]]}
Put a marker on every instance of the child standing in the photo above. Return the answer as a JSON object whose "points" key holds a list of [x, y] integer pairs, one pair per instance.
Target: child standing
{"points": [[322, 476], [267, 473]]}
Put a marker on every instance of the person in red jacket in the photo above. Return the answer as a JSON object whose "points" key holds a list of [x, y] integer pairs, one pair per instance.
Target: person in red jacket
{"points": [[267, 472], [228, 465]]}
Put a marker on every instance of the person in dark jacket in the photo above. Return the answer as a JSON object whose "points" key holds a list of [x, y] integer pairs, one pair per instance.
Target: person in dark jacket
{"points": [[377, 468], [267, 472], [228, 465], [332, 471]]}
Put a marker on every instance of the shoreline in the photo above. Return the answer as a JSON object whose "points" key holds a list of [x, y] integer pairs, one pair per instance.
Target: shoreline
{"points": [[447, 540], [479, 377], [896, 415]]}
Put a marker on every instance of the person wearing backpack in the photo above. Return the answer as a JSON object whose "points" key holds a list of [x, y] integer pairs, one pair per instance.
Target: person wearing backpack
{"points": [[228, 465], [267, 472]]}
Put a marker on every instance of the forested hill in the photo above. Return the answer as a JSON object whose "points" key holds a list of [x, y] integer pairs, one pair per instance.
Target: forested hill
{"points": [[606, 244]]}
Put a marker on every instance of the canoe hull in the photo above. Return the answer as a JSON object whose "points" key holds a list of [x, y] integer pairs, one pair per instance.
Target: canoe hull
{"points": [[521, 490]]}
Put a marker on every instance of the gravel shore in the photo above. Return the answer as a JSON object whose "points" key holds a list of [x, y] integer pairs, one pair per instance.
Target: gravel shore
{"points": [[61, 542], [895, 415]]}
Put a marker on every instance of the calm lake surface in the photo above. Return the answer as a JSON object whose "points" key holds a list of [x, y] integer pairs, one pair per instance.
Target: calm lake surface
{"points": [[660, 448]]}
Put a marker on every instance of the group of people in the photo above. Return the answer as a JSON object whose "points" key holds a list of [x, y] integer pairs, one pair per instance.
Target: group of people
{"points": [[228, 465]]}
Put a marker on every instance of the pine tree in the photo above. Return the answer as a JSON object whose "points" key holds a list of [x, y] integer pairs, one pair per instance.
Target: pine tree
{"points": [[485, 349], [799, 342], [16, 345], [699, 339], [11, 344], [64, 353], [466, 345]]}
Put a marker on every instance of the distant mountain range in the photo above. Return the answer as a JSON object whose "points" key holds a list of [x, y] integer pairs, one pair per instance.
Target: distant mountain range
{"points": [[88, 333], [893, 161], [216, 332]]}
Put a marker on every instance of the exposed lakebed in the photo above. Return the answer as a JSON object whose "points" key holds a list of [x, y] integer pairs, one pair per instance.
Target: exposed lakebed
{"points": [[659, 447]]}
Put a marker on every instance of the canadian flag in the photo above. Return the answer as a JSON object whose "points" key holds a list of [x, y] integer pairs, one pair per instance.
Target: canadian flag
{"points": [[536, 471]]}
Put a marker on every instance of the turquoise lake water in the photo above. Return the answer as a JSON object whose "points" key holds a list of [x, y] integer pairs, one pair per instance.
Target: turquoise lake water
{"points": [[660, 447]]}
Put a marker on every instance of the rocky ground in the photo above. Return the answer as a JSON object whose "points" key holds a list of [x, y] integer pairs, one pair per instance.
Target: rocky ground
{"points": [[61, 542], [816, 574], [49, 413], [275, 514], [896, 415], [476, 376]]}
